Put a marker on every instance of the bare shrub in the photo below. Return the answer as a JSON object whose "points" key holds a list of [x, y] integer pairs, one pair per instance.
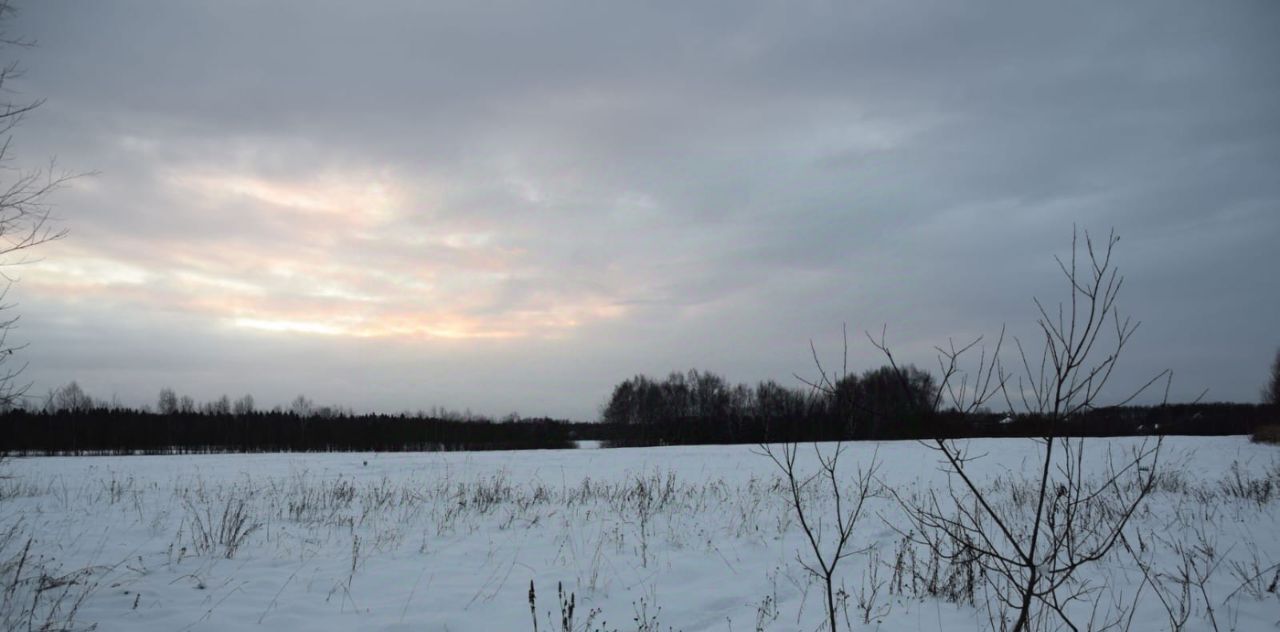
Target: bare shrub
{"points": [[828, 534], [568, 620], [1241, 484], [1030, 550], [222, 532], [34, 595]]}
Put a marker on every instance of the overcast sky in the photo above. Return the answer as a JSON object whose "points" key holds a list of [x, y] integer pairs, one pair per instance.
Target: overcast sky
{"points": [[513, 206]]}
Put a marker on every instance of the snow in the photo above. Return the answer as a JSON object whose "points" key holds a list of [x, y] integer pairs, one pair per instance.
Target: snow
{"points": [[694, 538]]}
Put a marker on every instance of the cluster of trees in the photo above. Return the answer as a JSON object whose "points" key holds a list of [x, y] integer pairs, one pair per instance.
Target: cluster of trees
{"points": [[72, 398], [884, 403], [171, 404], [703, 407]]}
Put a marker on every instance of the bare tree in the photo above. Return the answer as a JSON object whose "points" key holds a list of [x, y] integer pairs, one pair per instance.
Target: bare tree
{"points": [[69, 398], [220, 406], [1031, 551], [829, 530], [167, 404], [243, 406], [25, 214], [1271, 392], [302, 406]]}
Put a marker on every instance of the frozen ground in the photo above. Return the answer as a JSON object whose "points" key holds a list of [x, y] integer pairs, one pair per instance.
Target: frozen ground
{"points": [[683, 538]]}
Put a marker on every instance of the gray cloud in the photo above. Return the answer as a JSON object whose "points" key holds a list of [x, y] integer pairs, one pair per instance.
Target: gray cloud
{"points": [[638, 188]]}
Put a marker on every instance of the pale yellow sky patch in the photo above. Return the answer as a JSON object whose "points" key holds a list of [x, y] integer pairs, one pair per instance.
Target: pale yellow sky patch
{"points": [[359, 199], [351, 261], [82, 269], [287, 326]]}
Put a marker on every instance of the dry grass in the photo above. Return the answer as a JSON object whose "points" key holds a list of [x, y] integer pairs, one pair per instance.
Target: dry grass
{"points": [[1267, 433]]}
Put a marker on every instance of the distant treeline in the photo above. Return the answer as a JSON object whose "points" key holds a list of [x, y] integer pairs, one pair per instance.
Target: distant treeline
{"points": [[71, 422], [1173, 419], [684, 408], [99, 431]]}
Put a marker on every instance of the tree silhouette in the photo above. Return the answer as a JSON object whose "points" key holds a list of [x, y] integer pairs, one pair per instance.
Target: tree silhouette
{"points": [[168, 402], [25, 220], [1271, 392]]}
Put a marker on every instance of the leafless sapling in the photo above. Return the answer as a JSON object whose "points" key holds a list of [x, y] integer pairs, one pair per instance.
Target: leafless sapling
{"points": [[827, 532], [1031, 551]]}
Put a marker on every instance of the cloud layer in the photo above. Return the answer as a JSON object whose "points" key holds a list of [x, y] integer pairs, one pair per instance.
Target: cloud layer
{"points": [[513, 206]]}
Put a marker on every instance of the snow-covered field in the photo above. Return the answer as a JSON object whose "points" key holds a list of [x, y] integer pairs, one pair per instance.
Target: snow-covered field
{"points": [[683, 538]]}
